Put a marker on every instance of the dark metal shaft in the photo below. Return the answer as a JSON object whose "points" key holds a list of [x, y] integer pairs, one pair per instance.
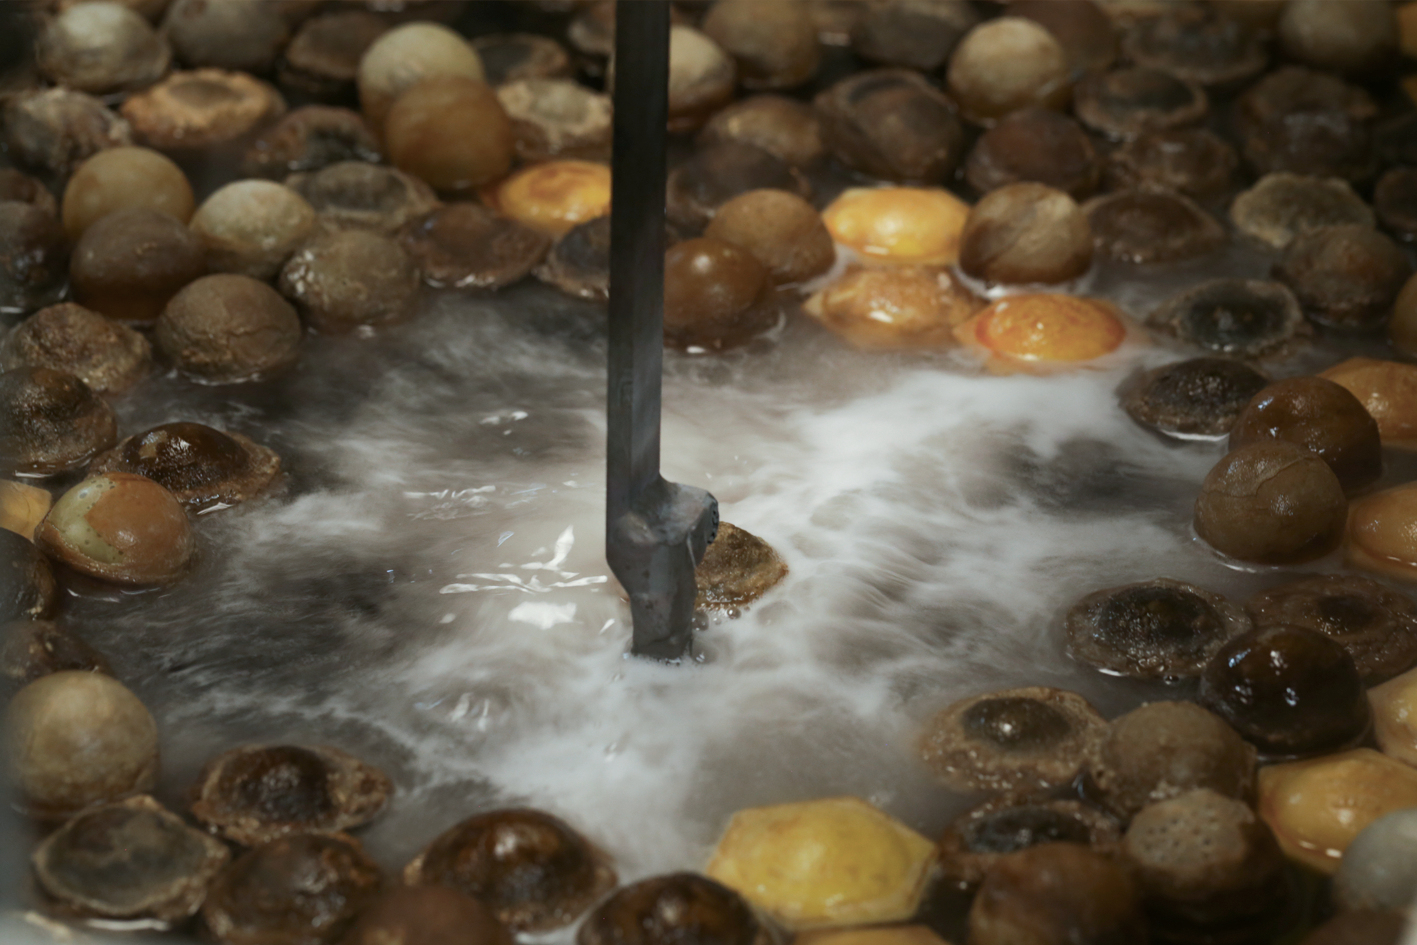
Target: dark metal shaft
{"points": [[656, 531], [637, 246]]}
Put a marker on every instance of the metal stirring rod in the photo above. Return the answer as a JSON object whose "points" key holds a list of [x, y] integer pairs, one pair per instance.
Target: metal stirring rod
{"points": [[656, 531]]}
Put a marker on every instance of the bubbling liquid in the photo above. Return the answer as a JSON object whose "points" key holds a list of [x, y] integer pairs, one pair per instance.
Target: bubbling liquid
{"points": [[431, 592]]}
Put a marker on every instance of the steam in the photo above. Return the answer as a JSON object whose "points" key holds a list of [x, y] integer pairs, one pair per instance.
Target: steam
{"points": [[431, 591]]}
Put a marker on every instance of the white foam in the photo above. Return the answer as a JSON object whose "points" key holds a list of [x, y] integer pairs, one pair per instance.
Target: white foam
{"points": [[435, 595]]}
